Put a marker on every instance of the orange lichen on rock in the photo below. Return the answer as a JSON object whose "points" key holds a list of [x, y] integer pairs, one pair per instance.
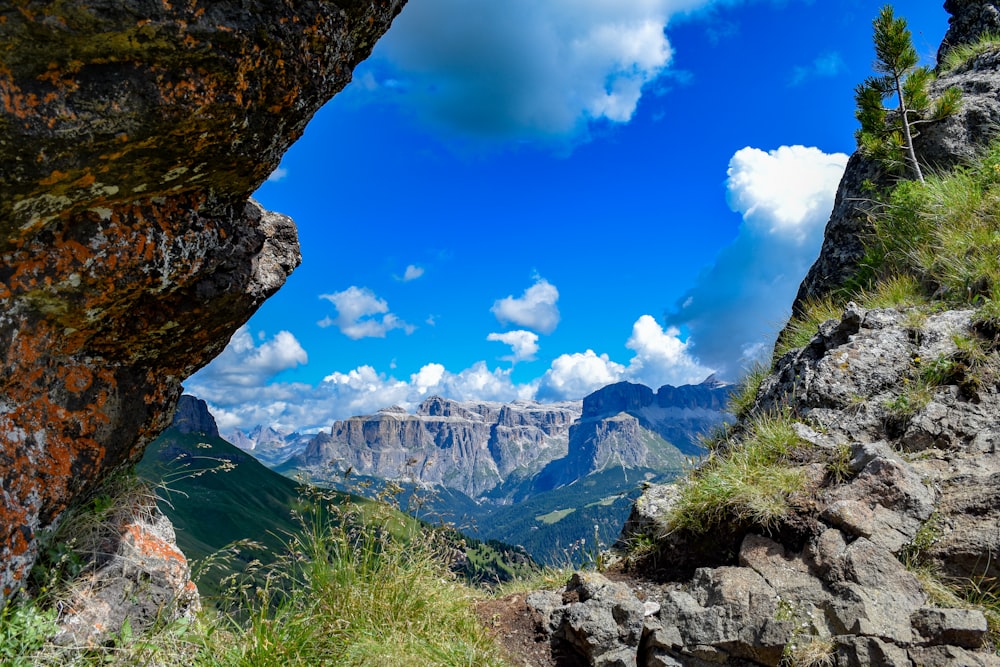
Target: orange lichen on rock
{"points": [[129, 248]]}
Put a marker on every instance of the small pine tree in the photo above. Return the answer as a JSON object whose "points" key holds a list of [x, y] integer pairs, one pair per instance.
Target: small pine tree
{"points": [[888, 134]]}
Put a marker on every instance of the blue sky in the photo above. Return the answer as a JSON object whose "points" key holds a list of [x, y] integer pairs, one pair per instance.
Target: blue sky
{"points": [[534, 199]]}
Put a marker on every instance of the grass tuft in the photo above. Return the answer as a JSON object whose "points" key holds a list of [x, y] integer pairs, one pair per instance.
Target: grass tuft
{"points": [[747, 481], [959, 56]]}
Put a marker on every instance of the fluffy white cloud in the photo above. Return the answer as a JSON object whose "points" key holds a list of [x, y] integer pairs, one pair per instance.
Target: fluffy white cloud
{"points": [[535, 309], [661, 357], [523, 68], [412, 272], [241, 393], [573, 376], [362, 390], [244, 364], [357, 314], [524, 344], [785, 197]]}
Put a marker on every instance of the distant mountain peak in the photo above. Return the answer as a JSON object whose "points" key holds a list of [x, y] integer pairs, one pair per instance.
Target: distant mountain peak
{"points": [[192, 416], [713, 382]]}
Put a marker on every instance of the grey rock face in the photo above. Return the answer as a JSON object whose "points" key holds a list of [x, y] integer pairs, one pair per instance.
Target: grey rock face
{"points": [[471, 447], [940, 145], [969, 19], [837, 587], [192, 416]]}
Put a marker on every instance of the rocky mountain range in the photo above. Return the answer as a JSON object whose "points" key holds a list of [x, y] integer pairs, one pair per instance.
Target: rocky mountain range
{"points": [[487, 449]]}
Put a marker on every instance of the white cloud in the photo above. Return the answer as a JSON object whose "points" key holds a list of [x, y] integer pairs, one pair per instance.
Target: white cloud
{"points": [[412, 273], [360, 391], [785, 197], [661, 357], [522, 68], [357, 314], [241, 393], [524, 344], [573, 376], [535, 309], [278, 174], [824, 66], [243, 364]]}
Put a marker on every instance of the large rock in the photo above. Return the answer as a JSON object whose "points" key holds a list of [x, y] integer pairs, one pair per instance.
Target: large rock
{"points": [[131, 136], [969, 19]]}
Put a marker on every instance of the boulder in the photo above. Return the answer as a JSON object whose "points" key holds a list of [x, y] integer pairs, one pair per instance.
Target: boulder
{"points": [[132, 134]]}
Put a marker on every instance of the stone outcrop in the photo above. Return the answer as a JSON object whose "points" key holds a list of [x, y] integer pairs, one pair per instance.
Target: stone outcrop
{"points": [[192, 416], [131, 137], [969, 19], [940, 145], [137, 577], [884, 487]]}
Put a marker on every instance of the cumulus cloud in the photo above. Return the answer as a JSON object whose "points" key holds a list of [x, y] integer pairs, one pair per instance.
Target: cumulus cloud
{"points": [[523, 344], [824, 66], [661, 357], [244, 364], [534, 309], [363, 390], [522, 68], [573, 376], [358, 311], [240, 389], [785, 197], [412, 273]]}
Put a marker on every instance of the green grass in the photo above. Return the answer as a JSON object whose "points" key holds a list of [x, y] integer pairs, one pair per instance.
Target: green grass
{"points": [[750, 481], [742, 400], [555, 516], [800, 330], [958, 56], [348, 589]]}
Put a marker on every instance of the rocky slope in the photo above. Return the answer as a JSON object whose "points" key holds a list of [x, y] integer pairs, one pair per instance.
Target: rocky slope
{"points": [[872, 537], [132, 134], [943, 144]]}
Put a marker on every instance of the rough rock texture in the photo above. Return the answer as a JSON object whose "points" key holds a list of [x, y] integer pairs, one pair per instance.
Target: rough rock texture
{"points": [[969, 19], [476, 447], [940, 145], [138, 576], [831, 577], [131, 136], [469, 446], [192, 416]]}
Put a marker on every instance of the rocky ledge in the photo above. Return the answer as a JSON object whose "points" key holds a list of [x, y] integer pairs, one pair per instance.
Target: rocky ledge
{"points": [[132, 134]]}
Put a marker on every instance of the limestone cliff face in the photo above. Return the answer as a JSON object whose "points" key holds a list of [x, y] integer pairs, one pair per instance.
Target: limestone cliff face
{"points": [[131, 136], [468, 446], [627, 425], [476, 447]]}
